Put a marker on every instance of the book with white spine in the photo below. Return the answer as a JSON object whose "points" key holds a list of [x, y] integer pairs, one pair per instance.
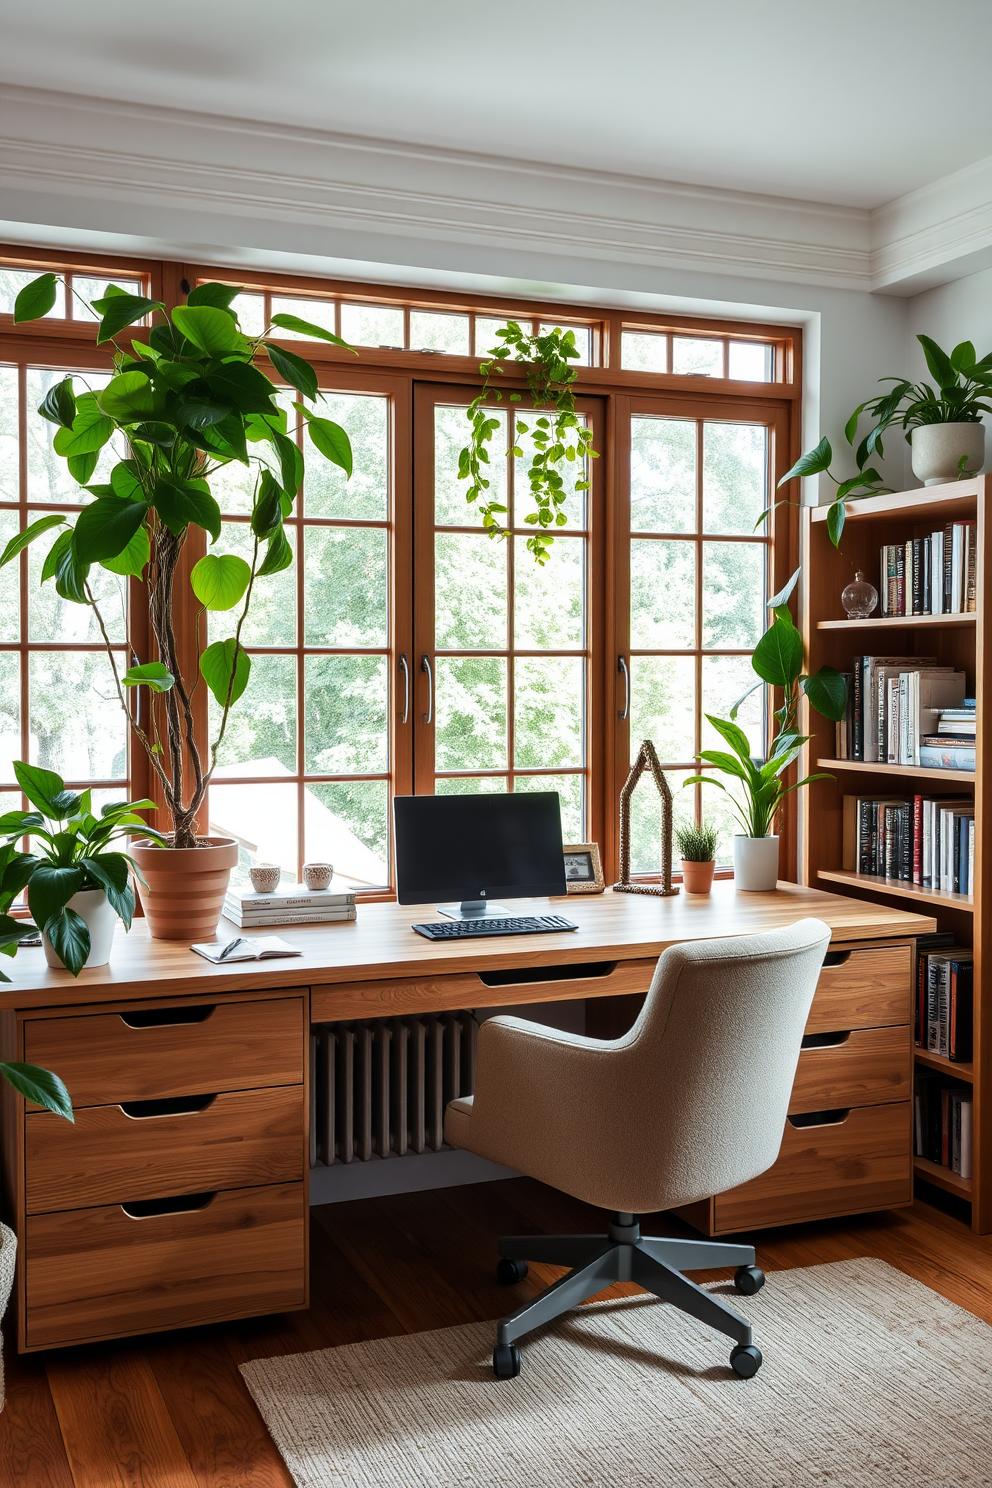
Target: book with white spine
{"points": [[243, 918], [295, 896]]}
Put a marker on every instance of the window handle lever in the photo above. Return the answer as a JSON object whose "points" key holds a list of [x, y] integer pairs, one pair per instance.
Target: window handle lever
{"points": [[425, 666], [405, 669], [623, 671]]}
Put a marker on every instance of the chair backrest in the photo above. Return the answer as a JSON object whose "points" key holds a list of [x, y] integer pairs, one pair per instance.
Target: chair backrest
{"points": [[708, 1067]]}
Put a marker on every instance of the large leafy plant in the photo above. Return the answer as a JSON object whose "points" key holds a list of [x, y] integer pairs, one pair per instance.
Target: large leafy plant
{"points": [[187, 401], [76, 851], [559, 438], [761, 785], [962, 386]]}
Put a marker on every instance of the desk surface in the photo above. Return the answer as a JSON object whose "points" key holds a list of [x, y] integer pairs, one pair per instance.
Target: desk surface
{"points": [[381, 944]]}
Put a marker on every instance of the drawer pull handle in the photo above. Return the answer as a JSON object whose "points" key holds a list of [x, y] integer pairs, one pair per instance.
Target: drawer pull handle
{"points": [[165, 1017], [825, 1040], [835, 958], [177, 1204], [820, 1118], [574, 972], [173, 1105]]}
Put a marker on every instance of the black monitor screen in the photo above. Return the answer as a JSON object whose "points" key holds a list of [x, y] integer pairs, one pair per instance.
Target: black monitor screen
{"points": [[478, 847]]}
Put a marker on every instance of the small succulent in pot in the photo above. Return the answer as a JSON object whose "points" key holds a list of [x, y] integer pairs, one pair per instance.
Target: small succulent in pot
{"points": [[697, 849]]}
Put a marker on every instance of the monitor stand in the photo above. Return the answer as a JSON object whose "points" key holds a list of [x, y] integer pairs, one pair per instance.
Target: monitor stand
{"points": [[474, 909]]}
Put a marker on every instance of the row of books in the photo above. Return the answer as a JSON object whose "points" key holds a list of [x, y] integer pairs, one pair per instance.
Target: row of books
{"points": [[295, 905], [932, 575], [924, 840], [943, 1113], [895, 708], [944, 997]]}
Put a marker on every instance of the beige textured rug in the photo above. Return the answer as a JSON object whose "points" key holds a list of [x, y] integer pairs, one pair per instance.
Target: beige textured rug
{"points": [[870, 1380]]}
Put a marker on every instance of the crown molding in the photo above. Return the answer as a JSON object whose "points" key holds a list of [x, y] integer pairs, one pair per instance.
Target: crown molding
{"points": [[940, 232]]}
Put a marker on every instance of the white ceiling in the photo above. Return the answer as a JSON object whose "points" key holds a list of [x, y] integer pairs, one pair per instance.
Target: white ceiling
{"points": [[852, 102]]}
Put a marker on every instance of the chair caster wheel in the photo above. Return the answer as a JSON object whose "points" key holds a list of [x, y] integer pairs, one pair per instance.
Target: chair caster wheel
{"points": [[506, 1361], [745, 1360], [749, 1279], [507, 1271]]}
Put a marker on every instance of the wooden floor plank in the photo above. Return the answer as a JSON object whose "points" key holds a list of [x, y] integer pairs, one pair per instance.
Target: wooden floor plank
{"points": [[31, 1447], [115, 1424]]}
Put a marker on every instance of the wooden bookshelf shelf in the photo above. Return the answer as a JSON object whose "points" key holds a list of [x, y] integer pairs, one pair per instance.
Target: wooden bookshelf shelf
{"points": [[943, 1177], [954, 502], [916, 772], [900, 622], [946, 1066], [895, 886]]}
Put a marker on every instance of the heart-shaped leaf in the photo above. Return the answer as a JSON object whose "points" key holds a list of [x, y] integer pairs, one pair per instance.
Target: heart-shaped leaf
{"points": [[827, 692], [279, 554], [133, 561], [217, 664], [211, 329], [35, 299], [131, 397], [91, 428], [219, 580], [106, 526], [178, 505], [152, 674]]}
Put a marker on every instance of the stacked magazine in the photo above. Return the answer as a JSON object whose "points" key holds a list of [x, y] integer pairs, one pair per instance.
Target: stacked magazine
{"points": [[293, 905]]}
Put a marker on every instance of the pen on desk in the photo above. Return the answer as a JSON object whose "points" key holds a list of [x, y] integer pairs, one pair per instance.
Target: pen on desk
{"points": [[231, 946]]}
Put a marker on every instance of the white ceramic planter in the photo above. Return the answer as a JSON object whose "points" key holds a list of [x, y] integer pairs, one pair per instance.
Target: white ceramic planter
{"points": [[93, 906], [938, 449], [755, 864], [8, 1252]]}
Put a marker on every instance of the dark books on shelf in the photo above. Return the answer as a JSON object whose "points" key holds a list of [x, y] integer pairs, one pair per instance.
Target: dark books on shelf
{"points": [[924, 840], [943, 1110], [933, 575], [945, 1002]]}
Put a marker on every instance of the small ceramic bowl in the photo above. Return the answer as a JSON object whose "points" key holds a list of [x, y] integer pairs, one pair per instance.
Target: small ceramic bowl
{"points": [[318, 875], [265, 878]]}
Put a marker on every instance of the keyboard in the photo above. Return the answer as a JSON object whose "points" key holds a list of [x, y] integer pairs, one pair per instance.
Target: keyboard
{"points": [[513, 925]]}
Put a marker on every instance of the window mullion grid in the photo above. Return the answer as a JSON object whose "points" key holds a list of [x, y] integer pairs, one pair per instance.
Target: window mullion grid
{"points": [[697, 721]]}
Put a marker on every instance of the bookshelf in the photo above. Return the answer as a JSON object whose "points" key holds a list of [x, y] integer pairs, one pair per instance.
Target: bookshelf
{"points": [[955, 640]]}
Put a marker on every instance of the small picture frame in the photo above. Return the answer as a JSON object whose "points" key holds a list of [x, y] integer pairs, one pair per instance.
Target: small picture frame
{"points": [[583, 870]]}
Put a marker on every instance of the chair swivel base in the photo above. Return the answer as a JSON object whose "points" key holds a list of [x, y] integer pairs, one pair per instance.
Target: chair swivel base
{"points": [[624, 1254]]}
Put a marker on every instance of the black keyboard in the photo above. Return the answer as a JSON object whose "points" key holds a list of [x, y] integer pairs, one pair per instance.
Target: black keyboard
{"points": [[516, 925]]}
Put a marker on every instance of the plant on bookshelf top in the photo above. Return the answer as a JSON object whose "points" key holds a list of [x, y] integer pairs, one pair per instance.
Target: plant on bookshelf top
{"points": [[559, 437], [186, 402], [955, 406]]}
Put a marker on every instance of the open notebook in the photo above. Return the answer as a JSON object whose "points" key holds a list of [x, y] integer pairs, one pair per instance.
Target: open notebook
{"points": [[246, 948]]}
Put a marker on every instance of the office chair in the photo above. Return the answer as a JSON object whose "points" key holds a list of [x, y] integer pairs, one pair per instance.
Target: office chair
{"points": [[691, 1102]]}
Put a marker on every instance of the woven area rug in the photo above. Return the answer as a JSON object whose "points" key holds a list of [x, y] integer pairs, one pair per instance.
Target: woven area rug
{"points": [[870, 1380]]}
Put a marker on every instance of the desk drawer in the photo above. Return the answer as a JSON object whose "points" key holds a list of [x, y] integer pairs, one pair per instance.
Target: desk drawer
{"points": [[112, 1154], [868, 989], [861, 1162], [864, 1068], [157, 1053], [99, 1273]]}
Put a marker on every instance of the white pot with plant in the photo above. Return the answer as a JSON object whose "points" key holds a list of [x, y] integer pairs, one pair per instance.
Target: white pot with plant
{"points": [[187, 401], [761, 785], [697, 849]]}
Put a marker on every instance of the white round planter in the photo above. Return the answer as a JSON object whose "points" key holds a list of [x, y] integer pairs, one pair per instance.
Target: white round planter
{"points": [[8, 1252], [93, 906], [755, 864], [939, 448]]}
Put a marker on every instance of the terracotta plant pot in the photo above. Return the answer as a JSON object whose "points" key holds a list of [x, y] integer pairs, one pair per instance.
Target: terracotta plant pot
{"points": [[697, 878], [185, 889]]}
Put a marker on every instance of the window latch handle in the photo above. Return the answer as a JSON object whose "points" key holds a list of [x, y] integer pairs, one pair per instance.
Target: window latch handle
{"points": [[623, 671], [405, 669], [425, 666]]}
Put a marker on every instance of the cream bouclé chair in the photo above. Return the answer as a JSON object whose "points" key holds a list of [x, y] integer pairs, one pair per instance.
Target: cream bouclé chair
{"points": [[691, 1102]]}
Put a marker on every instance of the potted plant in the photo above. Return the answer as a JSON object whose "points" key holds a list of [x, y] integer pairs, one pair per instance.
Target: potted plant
{"points": [[79, 883], [186, 402], [943, 424], [697, 849], [761, 788]]}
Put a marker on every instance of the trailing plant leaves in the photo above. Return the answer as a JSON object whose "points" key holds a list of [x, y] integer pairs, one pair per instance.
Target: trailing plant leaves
{"points": [[293, 368], [69, 935], [130, 397], [39, 1085], [35, 299], [59, 404], [219, 580], [91, 428], [278, 555], [267, 512], [118, 309], [835, 522], [52, 558], [178, 505], [290, 463], [827, 692], [125, 481], [218, 664], [307, 328], [814, 462], [153, 674], [778, 656], [106, 526], [132, 562], [211, 329], [21, 540], [242, 385], [81, 467], [70, 573], [218, 295], [782, 597], [330, 439]]}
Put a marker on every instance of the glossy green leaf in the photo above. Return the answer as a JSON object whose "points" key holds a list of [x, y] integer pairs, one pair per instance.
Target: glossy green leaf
{"points": [[118, 309], [733, 734], [133, 561], [267, 512], [242, 385], [835, 522], [59, 404], [778, 656], [938, 362], [218, 665], [297, 372], [827, 692], [211, 329], [21, 539], [39, 1085], [125, 481], [68, 932], [112, 873], [54, 555], [812, 463], [44, 789], [35, 299], [278, 555], [218, 295], [49, 890], [81, 467], [179, 505], [219, 580], [106, 526], [70, 572], [782, 597], [290, 463], [91, 428], [153, 674], [330, 439], [307, 328], [131, 397], [963, 356]]}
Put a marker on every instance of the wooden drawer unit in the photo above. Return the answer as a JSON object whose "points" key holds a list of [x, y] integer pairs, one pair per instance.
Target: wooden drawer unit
{"points": [[116, 1153], [136, 1055], [865, 1067], [856, 1160], [103, 1272], [869, 988]]}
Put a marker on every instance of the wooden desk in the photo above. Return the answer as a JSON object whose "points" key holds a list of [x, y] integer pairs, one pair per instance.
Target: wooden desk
{"points": [[180, 1195]]}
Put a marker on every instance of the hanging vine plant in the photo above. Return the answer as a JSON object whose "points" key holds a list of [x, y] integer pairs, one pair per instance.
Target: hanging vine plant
{"points": [[558, 437]]}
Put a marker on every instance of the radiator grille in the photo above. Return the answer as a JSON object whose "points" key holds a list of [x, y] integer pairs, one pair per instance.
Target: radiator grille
{"points": [[381, 1087]]}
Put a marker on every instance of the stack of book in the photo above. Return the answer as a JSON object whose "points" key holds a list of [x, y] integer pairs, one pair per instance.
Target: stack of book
{"points": [[943, 1112], [924, 840], [952, 744], [944, 1002], [894, 705], [295, 905], [932, 575]]}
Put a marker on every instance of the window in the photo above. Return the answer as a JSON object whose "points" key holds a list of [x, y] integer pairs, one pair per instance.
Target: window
{"points": [[405, 650]]}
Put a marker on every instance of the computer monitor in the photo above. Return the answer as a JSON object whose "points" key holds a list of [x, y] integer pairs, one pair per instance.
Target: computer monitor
{"points": [[472, 848]]}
